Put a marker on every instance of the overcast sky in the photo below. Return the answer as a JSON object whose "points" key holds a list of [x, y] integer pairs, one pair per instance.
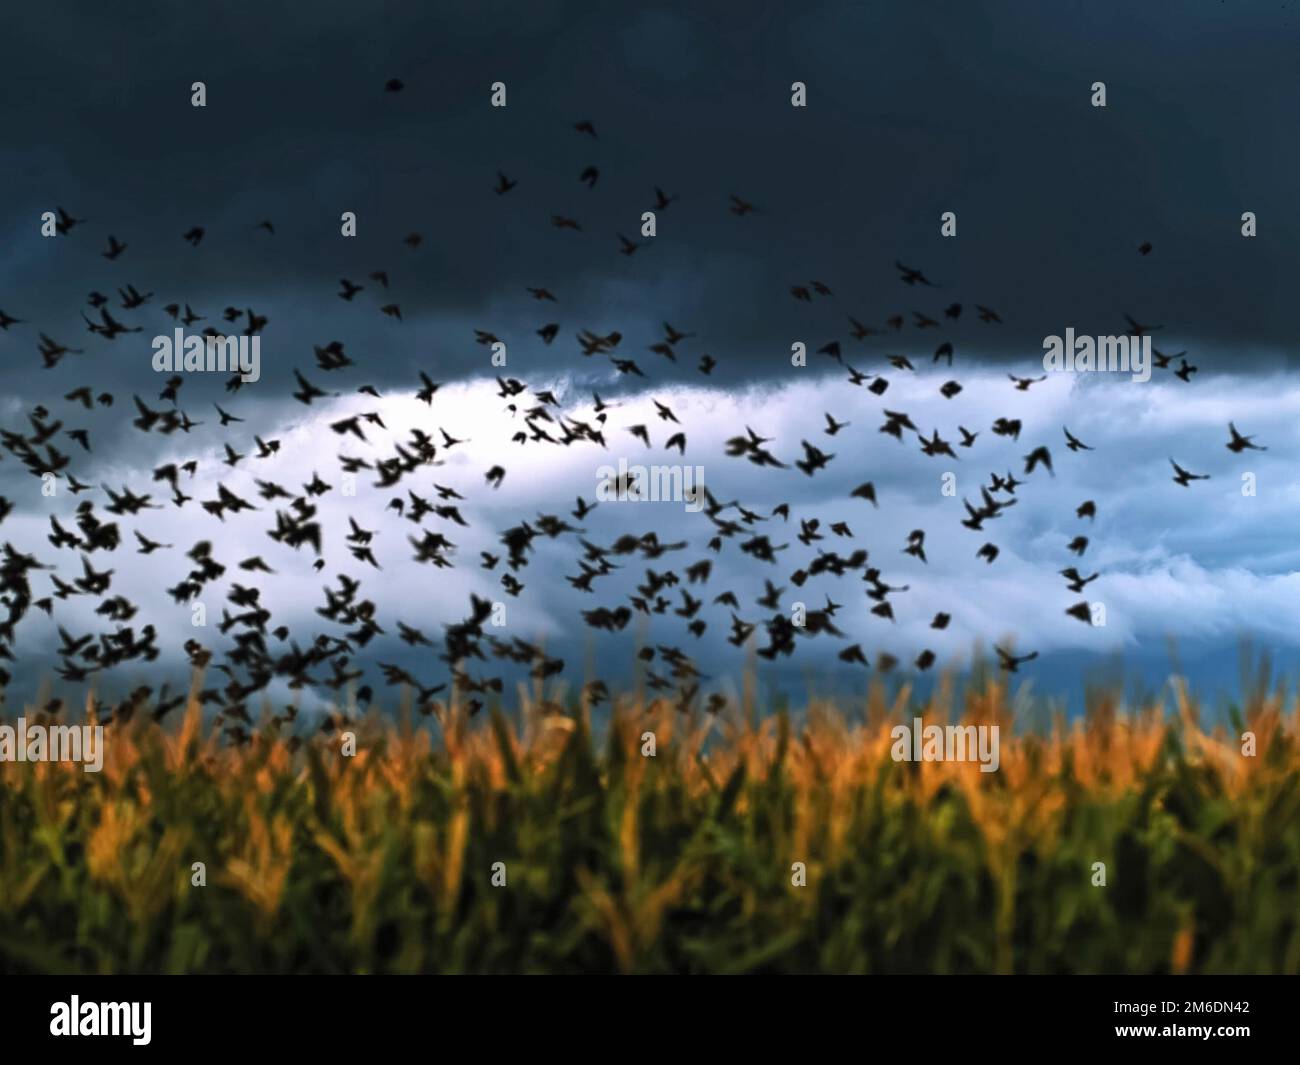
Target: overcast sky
{"points": [[980, 109]]}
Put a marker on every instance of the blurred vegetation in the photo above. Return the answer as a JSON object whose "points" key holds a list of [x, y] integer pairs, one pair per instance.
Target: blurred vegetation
{"points": [[680, 862]]}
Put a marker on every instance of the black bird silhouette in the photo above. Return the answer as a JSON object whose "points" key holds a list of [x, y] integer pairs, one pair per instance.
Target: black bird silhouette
{"points": [[1076, 580], [1240, 443], [910, 276], [1082, 611], [1073, 443], [1023, 383], [1011, 663], [866, 491], [1182, 477], [1039, 455]]}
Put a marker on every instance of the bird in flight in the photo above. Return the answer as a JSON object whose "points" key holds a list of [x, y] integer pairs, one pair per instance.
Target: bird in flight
{"points": [[910, 276], [1182, 477], [1239, 443]]}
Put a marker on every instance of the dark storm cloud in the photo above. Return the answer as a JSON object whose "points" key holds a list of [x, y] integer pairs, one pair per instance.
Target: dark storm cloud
{"points": [[980, 110]]}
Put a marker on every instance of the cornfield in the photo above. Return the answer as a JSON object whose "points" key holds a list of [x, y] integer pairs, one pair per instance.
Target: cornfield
{"points": [[656, 841]]}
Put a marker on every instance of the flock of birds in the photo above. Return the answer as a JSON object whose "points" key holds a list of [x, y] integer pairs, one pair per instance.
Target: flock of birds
{"points": [[37, 583]]}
